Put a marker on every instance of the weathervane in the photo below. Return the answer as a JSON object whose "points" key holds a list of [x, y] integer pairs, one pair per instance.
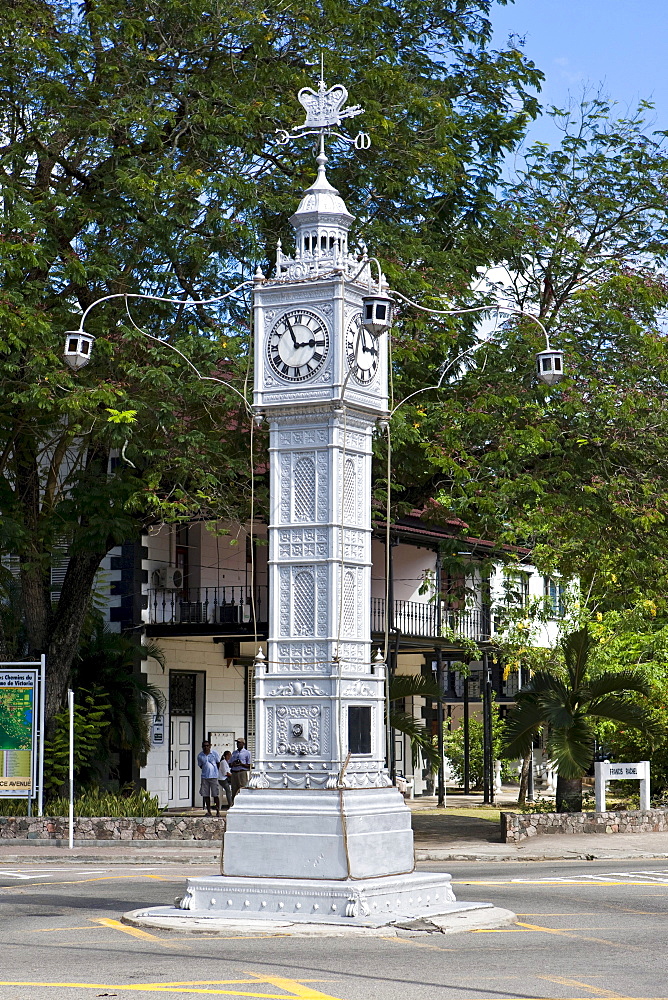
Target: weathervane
{"points": [[324, 109]]}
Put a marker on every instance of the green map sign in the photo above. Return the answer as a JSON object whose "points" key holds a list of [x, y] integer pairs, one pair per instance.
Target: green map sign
{"points": [[18, 689]]}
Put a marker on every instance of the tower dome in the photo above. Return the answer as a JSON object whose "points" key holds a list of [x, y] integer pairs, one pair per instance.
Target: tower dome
{"points": [[321, 225]]}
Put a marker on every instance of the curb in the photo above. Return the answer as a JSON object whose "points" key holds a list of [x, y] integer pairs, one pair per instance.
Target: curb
{"points": [[489, 918], [599, 855]]}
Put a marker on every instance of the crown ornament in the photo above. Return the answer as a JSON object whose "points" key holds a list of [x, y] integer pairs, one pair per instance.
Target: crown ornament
{"points": [[324, 113]]}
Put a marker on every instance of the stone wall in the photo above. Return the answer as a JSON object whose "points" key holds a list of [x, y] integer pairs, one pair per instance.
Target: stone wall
{"points": [[522, 826], [112, 828]]}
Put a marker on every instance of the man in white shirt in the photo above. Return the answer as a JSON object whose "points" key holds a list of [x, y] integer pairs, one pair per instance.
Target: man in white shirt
{"points": [[209, 760], [224, 773]]}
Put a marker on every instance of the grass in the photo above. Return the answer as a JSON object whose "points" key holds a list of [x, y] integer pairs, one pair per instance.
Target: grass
{"points": [[471, 812]]}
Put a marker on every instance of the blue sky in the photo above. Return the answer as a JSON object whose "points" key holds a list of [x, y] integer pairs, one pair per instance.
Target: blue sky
{"points": [[618, 45]]}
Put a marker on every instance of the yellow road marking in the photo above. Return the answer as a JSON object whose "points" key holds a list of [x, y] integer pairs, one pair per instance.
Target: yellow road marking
{"points": [[136, 932], [141, 988], [50, 930], [292, 989], [550, 882], [78, 881], [299, 990], [578, 937], [575, 982], [227, 982]]}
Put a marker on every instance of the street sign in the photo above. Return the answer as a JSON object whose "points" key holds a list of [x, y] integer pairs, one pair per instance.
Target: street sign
{"points": [[158, 731], [604, 771]]}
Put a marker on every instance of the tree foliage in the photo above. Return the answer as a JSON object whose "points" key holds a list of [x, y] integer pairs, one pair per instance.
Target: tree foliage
{"points": [[137, 157], [576, 471]]}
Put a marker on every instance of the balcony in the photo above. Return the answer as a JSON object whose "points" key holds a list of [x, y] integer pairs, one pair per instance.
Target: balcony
{"points": [[208, 609], [220, 610], [428, 621]]}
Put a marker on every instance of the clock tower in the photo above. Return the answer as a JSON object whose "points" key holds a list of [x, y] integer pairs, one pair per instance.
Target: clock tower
{"points": [[320, 833]]}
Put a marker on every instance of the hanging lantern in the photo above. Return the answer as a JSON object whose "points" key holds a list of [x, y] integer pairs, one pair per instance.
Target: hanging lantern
{"points": [[78, 348], [550, 366], [376, 314]]}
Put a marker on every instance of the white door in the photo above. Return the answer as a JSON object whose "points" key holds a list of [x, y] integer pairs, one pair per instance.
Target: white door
{"points": [[180, 760]]}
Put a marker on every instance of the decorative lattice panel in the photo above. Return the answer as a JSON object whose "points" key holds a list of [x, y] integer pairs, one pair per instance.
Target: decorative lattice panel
{"points": [[304, 605], [349, 616], [349, 491], [304, 490]]}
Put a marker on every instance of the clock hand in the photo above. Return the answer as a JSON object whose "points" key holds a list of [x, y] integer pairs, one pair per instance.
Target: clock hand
{"points": [[292, 332], [307, 343]]}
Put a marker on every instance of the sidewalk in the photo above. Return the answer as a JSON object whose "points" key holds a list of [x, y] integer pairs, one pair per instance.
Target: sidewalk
{"points": [[440, 835]]}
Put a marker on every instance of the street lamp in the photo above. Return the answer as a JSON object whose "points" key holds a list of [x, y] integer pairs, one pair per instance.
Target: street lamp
{"points": [[377, 313], [550, 366], [78, 348], [79, 344]]}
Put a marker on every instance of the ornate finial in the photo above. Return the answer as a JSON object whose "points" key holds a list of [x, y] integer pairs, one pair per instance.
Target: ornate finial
{"points": [[324, 109]]}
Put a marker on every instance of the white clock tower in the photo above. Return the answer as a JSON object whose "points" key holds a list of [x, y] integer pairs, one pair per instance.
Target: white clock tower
{"points": [[320, 833], [321, 384]]}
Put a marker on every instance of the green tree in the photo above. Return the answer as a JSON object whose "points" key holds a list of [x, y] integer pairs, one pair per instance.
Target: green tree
{"points": [[575, 472], [567, 700], [109, 660], [137, 157], [90, 760], [454, 749]]}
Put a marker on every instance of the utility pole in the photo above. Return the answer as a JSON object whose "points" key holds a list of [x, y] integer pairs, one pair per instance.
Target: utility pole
{"points": [[488, 750], [467, 754], [439, 681]]}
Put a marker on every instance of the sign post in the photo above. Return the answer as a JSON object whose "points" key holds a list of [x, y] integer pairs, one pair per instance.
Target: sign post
{"points": [[605, 771], [70, 706], [22, 731]]}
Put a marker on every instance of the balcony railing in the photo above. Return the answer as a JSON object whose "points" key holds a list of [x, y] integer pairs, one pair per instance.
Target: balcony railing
{"points": [[231, 606], [207, 606], [426, 619]]}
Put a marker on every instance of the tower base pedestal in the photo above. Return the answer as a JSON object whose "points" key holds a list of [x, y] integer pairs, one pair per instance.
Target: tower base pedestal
{"points": [[340, 857], [318, 834], [340, 902]]}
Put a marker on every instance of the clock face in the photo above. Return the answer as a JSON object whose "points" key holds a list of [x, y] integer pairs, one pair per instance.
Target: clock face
{"points": [[298, 345], [361, 351]]}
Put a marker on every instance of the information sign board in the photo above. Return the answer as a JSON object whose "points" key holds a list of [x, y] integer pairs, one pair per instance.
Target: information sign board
{"points": [[222, 741], [21, 730]]}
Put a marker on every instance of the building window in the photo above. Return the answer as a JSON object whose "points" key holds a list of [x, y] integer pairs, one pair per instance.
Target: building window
{"points": [[516, 587], [453, 590], [555, 592]]}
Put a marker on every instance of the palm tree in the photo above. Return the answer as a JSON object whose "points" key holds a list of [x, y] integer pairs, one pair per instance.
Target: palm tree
{"points": [[106, 663], [414, 686], [567, 701]]}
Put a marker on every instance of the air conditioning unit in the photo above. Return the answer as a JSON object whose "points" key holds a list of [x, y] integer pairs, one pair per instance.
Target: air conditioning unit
{"points": [[167, 578]]}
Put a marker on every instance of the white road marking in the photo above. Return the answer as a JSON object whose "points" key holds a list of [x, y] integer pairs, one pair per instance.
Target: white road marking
{"points": [[640, 877]]}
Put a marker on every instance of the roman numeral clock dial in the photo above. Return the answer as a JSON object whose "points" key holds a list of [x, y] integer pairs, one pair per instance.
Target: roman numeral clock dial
{"points": [[298, 345], [361, 351]]}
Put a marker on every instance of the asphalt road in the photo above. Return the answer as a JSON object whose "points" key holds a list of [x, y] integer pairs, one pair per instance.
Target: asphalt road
{"points": [[586, 930]]}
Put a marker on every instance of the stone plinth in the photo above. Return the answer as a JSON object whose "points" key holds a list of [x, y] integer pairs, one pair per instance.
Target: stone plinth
{"points": [[350, 902], [318, 834]]}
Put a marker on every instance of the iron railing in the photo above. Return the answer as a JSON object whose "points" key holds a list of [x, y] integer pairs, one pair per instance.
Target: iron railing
{"points": [[232, 606], [207, 606], [426, 619]]}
